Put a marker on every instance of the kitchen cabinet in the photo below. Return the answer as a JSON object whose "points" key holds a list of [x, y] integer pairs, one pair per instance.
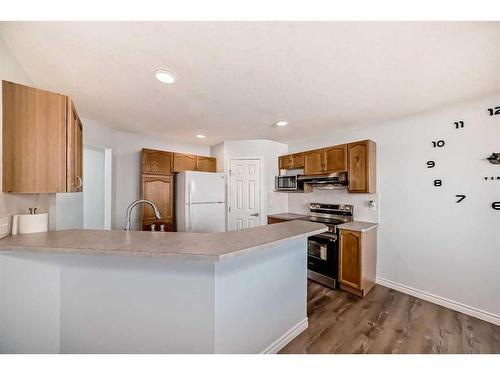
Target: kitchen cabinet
{"points": [[74, 182], [156, 162], [157, 169], [357, 260], [42, 139], [206, 164], [326, 160], [292, 161], [184, 162], [313, 162], [273, 220], [361, 158], [335, 159], [160, 190], [358, 159]]}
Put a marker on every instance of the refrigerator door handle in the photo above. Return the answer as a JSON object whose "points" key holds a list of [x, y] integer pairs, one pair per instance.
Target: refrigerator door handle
{"points": [[189, 204]]}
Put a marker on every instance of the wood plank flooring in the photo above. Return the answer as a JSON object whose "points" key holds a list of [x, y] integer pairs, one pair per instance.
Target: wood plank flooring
{"points": [[387, 321]]}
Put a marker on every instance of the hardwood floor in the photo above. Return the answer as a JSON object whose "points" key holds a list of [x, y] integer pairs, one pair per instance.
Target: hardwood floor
{"points": [[387, 321]]}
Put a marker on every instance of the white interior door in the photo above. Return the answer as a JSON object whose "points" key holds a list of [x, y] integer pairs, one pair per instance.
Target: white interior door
{"points": [[244, 193]]}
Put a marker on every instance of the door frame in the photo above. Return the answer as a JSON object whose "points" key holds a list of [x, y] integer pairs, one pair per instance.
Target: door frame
{"points": [[228, 173], [108, 181]]}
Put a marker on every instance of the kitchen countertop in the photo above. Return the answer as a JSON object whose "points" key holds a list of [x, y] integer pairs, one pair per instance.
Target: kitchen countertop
{"points": [[173, 245], [288, 216], [359, 226]]}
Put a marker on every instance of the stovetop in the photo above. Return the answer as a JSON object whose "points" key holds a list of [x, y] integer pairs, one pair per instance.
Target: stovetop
{"points": [[330, 214]]}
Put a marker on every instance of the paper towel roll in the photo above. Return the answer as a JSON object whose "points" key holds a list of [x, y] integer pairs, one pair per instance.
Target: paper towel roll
{"points": [[30, 223]]}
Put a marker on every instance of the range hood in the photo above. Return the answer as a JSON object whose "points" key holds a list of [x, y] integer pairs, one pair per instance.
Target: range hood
{"points": [[330, 181]]}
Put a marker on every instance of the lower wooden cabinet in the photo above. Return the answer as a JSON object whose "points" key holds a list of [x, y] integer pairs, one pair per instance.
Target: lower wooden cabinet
{"points": [[158, 189], [273, 220], [358, 261]]}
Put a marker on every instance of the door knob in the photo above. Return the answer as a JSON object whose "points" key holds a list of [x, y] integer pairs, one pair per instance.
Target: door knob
{"points": [[256, 214]]}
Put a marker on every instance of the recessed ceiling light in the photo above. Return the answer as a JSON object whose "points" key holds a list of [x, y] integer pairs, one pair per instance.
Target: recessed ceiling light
{"points": [[200, 135], [164, 76], [281, 123]]}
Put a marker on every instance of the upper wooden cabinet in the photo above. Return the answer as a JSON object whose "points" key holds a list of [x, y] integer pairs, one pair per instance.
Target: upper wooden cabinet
{"points": [[361, 158], [42, 141], [335, 158], [326, 160], [358, 159], [74, 181], [206, 164], [156, 162], [292, 161], [313, 162], [184, 162]]}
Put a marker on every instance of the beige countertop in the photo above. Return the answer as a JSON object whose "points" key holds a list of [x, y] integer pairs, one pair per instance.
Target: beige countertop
{"points": [[174, 245], [359, 226], [288, 216]]}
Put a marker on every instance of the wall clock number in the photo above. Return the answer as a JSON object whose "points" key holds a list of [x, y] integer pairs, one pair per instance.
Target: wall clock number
{"points": [[459, 124], [494, 111], [460, 197], [438, 183], [431, 164], [495, 205], [439, 143]]}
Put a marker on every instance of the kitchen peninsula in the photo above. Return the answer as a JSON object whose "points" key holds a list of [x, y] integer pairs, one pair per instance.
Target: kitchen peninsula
{"points": [[87, 291]]}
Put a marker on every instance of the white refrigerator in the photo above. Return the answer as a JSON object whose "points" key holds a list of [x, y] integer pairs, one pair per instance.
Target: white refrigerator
{"points": [[200, 202]]}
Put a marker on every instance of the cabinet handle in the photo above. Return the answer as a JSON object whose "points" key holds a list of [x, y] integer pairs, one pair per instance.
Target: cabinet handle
{"points": [[80, 183]]}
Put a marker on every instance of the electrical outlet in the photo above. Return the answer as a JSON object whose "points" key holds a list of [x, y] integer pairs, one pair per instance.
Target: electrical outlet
{"points": [[372, 205]]}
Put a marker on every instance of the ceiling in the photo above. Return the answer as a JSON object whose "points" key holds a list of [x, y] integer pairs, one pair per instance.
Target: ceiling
{"points": [[235, 79]]}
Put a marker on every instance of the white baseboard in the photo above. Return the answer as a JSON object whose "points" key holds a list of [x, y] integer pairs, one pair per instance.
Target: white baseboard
{"points": [[457, 306], [292, 333]]}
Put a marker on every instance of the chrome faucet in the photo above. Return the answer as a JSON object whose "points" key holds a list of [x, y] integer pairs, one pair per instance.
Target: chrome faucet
{"points": [[135, 203]]}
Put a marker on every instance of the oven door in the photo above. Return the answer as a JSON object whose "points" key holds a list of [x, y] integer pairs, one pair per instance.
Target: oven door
{"points": [[322, 255], [286, 183]]}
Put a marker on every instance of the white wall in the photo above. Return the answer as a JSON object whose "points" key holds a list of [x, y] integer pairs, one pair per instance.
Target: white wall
{"points": [[11, 70], [268, 151], [426, 240], [126, 149]]}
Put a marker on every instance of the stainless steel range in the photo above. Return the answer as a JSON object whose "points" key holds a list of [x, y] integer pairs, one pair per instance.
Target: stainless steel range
{"points": [[323, 249]]}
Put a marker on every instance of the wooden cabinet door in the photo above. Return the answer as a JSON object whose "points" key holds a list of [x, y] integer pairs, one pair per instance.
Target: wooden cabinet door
{"points": [[34, 140], [184, 162], [336, 158], [361, 166], [350, 258], [159, 190], [206, 164], [74, 155], [297, 160], [156, 162], [313, 162], [284, 162]]}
